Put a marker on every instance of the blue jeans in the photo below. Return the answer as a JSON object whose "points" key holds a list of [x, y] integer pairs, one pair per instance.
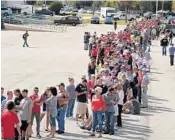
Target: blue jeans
{"points": [[70, 108], [109, 116], [25, 43], [90, 48], [61, 118], [164, 50], [97, 119]]}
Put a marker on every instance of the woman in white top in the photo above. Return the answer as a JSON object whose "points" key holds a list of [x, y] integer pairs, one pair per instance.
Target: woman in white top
{"points": [[120, 104]]}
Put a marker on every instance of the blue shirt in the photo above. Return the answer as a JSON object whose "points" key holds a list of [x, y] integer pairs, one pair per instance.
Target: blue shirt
{"points": [[172, 50], [2, 98], [145, 80]]}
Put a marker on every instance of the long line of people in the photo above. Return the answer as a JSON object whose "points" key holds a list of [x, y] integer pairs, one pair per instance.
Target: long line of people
{"points": [[117, 83]]}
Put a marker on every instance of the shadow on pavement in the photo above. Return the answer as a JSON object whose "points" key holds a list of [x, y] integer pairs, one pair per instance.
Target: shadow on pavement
{"points": [[134, 132]]}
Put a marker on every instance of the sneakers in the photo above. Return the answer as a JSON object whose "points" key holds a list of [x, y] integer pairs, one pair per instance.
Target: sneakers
{"points": [[38, 135], [60, 132], [115, 127]]}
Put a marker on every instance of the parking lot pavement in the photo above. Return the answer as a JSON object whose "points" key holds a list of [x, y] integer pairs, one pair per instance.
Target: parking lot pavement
{"points": [[53, 57]]}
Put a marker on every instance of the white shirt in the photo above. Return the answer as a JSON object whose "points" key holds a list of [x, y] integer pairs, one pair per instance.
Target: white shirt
{"points": [[121, 96]]}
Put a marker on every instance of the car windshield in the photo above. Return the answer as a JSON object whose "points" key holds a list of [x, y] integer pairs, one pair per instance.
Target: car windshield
{"points": [[95, 18]]}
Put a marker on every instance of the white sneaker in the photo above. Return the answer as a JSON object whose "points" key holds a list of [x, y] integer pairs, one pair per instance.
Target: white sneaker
{"points": [[115, 127]]}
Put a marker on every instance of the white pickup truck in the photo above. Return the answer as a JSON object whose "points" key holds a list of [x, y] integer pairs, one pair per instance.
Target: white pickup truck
{"points": [[121, 16]]}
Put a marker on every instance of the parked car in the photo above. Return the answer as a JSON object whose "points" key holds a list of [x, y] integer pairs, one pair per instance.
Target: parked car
{"points": [[45, 12], [122, 17], [108, 20], [89, 12], [98, 12], [170, 27], [73, 20], [95, 20], [82, 11], [2, 24], [147, 14], [6, 11], [12, 20]]}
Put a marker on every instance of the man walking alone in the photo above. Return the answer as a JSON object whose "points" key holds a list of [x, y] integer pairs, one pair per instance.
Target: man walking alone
{"points": [[172, 52], [25, 36]]}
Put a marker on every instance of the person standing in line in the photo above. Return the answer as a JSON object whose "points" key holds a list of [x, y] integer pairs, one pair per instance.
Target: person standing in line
{"points": [[172, 53], [98, 105], [25, 113], [52, 109], [25, 36], [44, 97], [4, 102], [116, 106], [2, 96], [17, 100], [144, 86], [120, 104], [18, 96], [85, 41], [63, 99], [71, 91], [9, 120], [37, 102], [81, 92], [115, 25], [164, 43], [171, 36], [110, 100]]}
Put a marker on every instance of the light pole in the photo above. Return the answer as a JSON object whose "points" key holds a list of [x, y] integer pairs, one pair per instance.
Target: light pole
{"points": [[157, 2], [162, 7]]}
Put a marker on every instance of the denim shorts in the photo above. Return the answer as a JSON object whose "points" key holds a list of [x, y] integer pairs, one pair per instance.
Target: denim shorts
{"points": [[52, 121]]}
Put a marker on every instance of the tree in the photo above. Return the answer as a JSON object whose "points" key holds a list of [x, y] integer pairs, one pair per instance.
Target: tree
{"points": [[31, 2], [173, 6], [55, 6]]}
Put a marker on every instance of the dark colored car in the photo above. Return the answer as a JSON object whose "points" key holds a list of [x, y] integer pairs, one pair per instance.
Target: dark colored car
{"points": [[170, 27], [12, 20], [45, 12], [73, 20], [2, 24], [95, 20]]}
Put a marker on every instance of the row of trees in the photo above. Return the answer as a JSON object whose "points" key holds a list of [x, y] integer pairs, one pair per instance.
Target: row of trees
{"points": [[119, 4]]}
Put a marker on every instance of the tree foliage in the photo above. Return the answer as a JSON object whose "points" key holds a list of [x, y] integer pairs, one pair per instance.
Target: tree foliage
{"points": [[55, 6]]}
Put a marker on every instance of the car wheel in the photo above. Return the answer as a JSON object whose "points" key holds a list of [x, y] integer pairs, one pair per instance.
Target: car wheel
{"points": [[25, 13], [98, 22], [51, 14], [6, 14], [74, 24], [63, 14]]}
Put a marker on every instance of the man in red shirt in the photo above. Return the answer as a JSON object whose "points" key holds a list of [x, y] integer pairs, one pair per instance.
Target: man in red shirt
{"points": [[9, 120], [37, 102]]}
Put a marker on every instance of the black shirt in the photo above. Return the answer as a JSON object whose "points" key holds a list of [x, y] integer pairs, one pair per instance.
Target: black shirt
{"points": [[18, 100], [81, 98], [164, 42]]}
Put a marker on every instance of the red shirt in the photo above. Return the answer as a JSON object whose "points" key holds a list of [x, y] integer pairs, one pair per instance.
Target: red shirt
{"points": [[8, 121], [94, 52], [140, 77], [91, 84], [97, 103], [35, 99]]}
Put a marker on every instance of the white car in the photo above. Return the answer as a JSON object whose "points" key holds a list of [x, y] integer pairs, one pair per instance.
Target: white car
{"points": [[98, 12], [89, 12], [82, 11], [122, 17], [6, 11]]}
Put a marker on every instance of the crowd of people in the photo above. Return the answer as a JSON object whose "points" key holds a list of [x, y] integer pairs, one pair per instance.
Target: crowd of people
{"points": [[117, 83]]}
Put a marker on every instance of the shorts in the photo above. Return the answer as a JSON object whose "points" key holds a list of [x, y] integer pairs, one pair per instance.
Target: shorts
{"points": [[116, 110], [81, 108], [52, 121], [24, 125]]}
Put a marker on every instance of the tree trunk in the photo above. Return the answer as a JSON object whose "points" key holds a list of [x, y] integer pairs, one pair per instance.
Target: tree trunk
{"points": [[125, 14]]}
